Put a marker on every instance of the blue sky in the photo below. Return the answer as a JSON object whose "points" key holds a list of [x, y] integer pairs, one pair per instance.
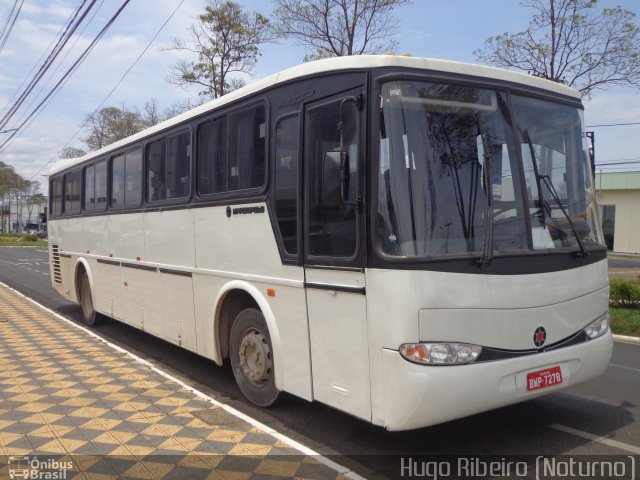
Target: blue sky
{"points": [[449, 29]]}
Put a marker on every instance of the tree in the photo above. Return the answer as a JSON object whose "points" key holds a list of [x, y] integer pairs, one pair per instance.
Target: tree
{"points": [[71, 152], [111, 124], [9, 179], [151, 113], [12, 185], [180, 107], [226, 41], [572, 42], [32, 198], [335, 28]]}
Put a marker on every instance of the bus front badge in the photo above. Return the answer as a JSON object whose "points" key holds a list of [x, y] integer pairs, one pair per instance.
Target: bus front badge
{"points": [[539, 336]]}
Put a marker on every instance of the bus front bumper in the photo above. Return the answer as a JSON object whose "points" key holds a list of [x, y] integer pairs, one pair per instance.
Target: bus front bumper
{"points": [[418, 396]]}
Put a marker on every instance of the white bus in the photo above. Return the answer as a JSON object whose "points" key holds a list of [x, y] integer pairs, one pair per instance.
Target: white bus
{"points": [[407, 240]]}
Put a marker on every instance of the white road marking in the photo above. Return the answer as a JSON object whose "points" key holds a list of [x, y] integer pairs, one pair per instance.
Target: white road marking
{"points": [[595, 438], [625, 367], [236, 413]]}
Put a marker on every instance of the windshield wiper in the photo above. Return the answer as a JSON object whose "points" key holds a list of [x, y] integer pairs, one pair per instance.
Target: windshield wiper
{"points": [[547, 181], [487, 248], [556, 197]]}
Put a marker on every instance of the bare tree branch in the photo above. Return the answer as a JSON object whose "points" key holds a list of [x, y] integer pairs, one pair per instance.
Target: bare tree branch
{"points": [[572, 42], [335, 28]]}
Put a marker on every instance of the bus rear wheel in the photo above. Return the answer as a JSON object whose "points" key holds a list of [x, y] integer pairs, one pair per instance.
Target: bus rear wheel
{"points": [[252, 359], [89, 314]]}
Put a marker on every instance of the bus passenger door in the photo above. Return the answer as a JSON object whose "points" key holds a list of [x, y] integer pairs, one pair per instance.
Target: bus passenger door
{"points": [[334, 252]]}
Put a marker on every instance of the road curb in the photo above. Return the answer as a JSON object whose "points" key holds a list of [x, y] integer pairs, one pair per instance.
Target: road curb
{"points": [[626, 339]]}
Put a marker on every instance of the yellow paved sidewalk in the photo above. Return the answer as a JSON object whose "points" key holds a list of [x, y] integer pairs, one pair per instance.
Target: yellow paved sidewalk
{"points": [[67, 396]]}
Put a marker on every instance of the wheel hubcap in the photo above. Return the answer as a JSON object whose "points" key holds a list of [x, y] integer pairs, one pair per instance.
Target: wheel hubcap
{"points": [[255, 357]]}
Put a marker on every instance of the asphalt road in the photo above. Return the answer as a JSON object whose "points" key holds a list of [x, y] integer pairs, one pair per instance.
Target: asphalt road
{"points": [[599, 418]]}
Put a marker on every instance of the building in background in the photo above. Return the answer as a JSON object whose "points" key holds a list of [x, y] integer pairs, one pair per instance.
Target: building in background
{"points": [[20, 213], [619, 197]]}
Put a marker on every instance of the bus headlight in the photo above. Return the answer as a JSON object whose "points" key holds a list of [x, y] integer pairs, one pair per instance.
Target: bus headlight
{"points": [[440, 353], [599, 326]]}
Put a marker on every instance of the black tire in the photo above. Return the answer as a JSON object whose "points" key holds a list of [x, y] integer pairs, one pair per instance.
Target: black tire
{"points": [[252, 359], [89, 314]]}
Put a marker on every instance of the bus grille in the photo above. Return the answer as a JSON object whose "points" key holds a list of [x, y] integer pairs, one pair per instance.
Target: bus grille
{"points": [[57, 274]]}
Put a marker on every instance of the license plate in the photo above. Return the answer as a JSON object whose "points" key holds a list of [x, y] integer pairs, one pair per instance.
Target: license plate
{"points": [[544, 378]]}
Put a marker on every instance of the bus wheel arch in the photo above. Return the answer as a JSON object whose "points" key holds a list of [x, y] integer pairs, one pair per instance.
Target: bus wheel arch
{"points": [[234, 298]]}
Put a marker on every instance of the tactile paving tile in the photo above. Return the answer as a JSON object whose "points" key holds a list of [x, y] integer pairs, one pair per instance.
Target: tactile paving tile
{"points": [[67, 396]]}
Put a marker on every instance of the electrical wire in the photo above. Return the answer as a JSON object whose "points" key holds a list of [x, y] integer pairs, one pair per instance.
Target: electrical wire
{"points": [[621, 162], [70, 28], [46, 84], [9, 17], [6, 30], [104, 100], [68, 73], [612, 125]]}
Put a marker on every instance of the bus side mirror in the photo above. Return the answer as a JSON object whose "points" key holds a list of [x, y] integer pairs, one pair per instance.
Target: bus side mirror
{"points": [[335, 177]]}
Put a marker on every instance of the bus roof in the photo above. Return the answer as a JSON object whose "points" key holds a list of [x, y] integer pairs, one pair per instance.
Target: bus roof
{"points": [[330, 65]]}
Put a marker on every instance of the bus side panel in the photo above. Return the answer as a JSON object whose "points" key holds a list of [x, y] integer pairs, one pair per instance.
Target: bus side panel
{"points": [[178, 313], [169, 238], [243, 246], [108, 288], [126, 236], [94, 236], [169, 242], [126, 243]]}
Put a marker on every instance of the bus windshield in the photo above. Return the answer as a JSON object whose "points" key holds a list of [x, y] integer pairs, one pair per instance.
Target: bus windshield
{"points": [[461, 169]]}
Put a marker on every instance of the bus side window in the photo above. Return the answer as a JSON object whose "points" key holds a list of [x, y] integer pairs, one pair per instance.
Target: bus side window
{"points": [[95, 186], [156, 160], [169, 167], [133, 177], [101, 185], [247, 149], [212, 157], [72, 191], [56, 196], [89, 187], [126, 179], [178, 165], [286, 182]]}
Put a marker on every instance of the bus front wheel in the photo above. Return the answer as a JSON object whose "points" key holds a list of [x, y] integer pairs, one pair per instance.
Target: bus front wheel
{"points": [[89, 314], [252, 359]]}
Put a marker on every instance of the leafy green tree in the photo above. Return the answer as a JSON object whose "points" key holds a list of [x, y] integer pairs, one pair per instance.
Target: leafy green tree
{"points": [[226, 40], [572, 42], [335, 28]]}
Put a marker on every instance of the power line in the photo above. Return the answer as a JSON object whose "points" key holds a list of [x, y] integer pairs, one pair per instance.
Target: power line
{"points": [[11, 21], [629, 161], [113, 89], [70, 28], [59, 65], [68, 73], [612, 125], [8, 21]]}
